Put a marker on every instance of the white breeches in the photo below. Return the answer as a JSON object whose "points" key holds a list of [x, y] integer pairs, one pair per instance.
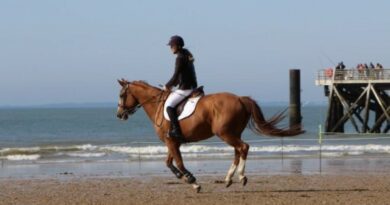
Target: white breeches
{"points": [[176, 97]]}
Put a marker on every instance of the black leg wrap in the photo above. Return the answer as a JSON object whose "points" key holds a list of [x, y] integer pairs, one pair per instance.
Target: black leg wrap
{"points": [[175, 171], [190, 178]]}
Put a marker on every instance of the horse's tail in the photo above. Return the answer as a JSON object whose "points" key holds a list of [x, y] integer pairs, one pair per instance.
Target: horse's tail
{"points": [[259, 125]]}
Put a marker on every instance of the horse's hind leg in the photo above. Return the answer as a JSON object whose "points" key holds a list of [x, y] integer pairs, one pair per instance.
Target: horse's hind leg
{"points": [[190, 179], [233, 168], [170, 165], [244, 148]]}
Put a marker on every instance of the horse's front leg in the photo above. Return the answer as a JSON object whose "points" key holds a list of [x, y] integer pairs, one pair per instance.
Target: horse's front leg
{"points": [[170, 165], [174, 150]]}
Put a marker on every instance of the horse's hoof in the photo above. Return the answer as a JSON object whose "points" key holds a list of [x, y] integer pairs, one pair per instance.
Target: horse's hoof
{"points": [[244, 181], [197, 187], [228, 183]]}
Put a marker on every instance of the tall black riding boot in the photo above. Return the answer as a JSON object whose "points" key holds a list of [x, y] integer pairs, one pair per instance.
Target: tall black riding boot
{"points": [[175, 131]]}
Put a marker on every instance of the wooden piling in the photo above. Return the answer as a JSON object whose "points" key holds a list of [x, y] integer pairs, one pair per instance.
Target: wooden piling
{"points": [[295, 98]]}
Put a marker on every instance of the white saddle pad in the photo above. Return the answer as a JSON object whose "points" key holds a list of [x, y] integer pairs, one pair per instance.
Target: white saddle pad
{"points": [[189, 108]]}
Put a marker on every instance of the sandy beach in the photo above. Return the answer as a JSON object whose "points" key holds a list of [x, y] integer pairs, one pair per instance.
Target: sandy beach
{"points": [[360, 180], [277, 189]]}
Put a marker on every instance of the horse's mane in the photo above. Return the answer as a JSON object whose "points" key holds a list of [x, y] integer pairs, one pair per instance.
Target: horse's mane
{"points": [[143, 83]]}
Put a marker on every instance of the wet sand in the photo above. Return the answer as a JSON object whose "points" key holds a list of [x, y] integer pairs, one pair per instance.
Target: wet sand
{"points": [[305, 166], [276, 189]]}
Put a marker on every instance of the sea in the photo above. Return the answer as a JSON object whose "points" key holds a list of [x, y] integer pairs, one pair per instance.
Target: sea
{"points": [[72, 135]]}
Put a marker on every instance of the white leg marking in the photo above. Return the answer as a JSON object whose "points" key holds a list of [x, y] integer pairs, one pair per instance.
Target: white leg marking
{"points": [[241, 169], [231, 172], [195, 185]]}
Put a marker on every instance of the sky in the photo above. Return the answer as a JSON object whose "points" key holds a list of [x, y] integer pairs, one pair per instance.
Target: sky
{"points": [[72, 51]]}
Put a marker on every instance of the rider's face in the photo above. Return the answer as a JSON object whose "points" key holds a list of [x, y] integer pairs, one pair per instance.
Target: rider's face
{"points": [[174, 48]]}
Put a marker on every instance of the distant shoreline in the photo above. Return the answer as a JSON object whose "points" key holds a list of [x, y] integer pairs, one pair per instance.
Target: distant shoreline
{"points": [[63, 105]]}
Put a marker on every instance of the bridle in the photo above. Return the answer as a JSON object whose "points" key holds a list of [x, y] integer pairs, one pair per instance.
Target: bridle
{"points": [[131, 110], [127, 110]]}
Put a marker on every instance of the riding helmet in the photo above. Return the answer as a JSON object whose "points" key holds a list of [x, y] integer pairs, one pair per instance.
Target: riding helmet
{"points": [[176, 40]]}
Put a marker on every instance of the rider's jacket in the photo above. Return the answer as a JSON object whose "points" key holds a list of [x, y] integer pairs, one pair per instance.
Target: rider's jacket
{"points": [[184, 74]]}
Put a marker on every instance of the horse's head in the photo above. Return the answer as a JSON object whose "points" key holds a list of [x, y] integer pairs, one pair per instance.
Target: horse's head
{"points": [[128, 104]]}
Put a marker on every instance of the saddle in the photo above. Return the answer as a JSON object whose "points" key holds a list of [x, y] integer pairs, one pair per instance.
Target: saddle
{"points": [[187, 106], [195, 93]]}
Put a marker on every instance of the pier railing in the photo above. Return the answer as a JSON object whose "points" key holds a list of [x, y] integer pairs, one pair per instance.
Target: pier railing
{"points": [[326, 76]]}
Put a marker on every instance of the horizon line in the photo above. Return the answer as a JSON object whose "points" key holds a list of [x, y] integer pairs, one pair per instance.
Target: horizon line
{"points": [[114, 104]]}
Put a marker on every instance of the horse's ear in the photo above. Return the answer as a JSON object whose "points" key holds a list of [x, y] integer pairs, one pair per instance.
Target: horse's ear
{"points": [[121, 82]]}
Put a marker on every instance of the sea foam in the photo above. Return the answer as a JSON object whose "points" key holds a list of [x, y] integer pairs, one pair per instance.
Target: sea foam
{"points": [[22, 157], [191, 151]]}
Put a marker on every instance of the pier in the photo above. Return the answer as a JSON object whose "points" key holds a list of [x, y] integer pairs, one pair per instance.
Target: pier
{"points": [[359, 97]]}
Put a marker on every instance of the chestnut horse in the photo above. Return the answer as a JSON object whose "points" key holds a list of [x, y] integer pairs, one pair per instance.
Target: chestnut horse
{"points": [[223, 114]]}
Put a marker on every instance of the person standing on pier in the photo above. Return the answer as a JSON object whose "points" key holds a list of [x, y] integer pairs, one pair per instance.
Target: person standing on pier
{"points": [[379, 71], [340, 70]]}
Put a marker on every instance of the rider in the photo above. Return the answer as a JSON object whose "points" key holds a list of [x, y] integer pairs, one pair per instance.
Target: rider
{"points": [[185, 77]]}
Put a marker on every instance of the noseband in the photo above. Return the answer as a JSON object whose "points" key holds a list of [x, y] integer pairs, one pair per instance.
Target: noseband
{"points": [[129, 110]]}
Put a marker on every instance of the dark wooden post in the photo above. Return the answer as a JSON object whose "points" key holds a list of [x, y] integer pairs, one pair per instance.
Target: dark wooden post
{"points": [[295, 97]]}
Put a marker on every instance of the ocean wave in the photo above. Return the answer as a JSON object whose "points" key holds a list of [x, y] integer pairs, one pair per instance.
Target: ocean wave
{"points": [[369, 148], [86, 147], [135, 149], [22, 157], [19, 150], [86, 155], [45, 149], [190, 151]]}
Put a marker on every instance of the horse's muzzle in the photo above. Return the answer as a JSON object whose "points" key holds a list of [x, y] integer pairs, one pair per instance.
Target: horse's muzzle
{"points": [[122, 116]]}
